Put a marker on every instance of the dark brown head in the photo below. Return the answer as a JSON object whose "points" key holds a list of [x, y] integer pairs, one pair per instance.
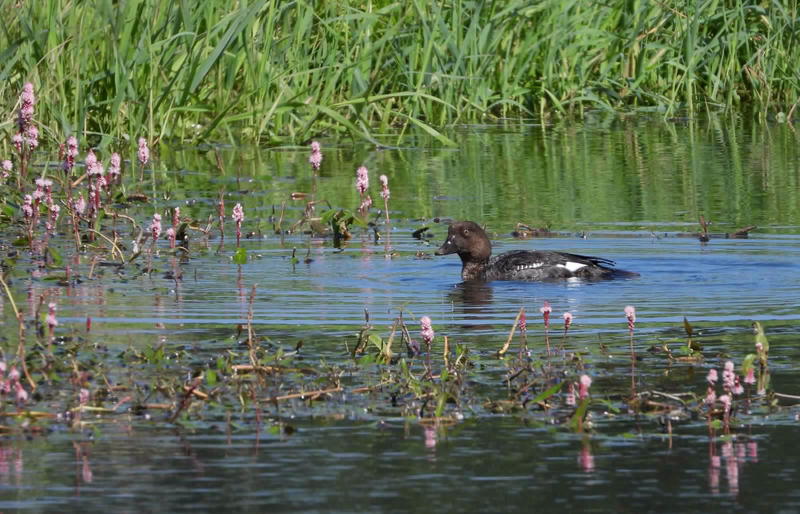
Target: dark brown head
{"points": [[468, 240]]}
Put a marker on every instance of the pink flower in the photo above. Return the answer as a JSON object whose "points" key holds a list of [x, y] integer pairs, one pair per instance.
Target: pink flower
{"points": [[586, 382], [738, 388], [546, 310], [176, 217], [13, 375], [144, 152], [116, 163], [523, 324], [728, 376], [630, 313], [84, 396], [567, 320], [72, 153], [316, 155], [155, 227], [238, 213], [22, 395], [90, 161], [27, 99], [570, 395], [362, 180], [384, 187], [726, 402], [759, 347], [711, 396], [17, 140], [80, 204], [171, 236], [6, 168], [27, 207], [32, 136], [426, 330], [750, 378], [366, 204], [712, 377], [51, 320]]}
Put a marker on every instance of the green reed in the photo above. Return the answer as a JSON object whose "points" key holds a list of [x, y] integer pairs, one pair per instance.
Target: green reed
{"points": [[278, 72]]}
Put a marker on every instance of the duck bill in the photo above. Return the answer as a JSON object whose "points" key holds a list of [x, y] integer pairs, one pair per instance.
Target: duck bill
{"points": [[446, 249]]}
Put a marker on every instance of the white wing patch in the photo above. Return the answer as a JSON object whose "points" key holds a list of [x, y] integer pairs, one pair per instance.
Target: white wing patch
{"points": [[532, 265], [572, 266]]}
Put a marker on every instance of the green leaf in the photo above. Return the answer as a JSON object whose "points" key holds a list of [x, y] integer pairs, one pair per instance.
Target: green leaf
{"points": [[747, 363], [441, 402], [547, 394], [149, 354], [56, 258], [22, 241], [377, 341], [716, 424], [211, 378], [687, 326], [220, 363], [760, 337], [577, 418], [240, 257]]}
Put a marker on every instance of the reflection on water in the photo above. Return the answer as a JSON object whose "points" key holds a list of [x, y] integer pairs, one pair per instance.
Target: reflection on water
{"points": [[630, 187]]}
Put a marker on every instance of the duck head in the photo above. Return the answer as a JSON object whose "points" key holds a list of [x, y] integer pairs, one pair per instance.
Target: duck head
{"points": [[468, 240]]}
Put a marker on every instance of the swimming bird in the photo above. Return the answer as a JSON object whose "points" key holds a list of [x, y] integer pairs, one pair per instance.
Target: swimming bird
{"points": [[472, 245]]}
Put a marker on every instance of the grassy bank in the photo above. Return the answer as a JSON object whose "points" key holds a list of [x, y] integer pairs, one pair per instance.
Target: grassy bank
{"points": [[276, 72]]}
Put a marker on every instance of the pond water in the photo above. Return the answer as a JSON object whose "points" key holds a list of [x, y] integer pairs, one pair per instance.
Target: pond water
{"points": [[628, 189]]}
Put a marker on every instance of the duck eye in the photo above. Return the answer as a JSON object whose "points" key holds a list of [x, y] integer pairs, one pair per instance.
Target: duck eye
{"points": [[466, 232]]}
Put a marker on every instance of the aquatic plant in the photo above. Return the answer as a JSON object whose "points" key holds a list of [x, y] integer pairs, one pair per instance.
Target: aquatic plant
{"points": [[316, 156], [426, 332], [238, 217], [546, 310]]}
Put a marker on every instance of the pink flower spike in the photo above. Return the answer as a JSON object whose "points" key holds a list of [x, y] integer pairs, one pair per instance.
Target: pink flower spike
{"points": [[22, 395], [712, 377], [726, 402], [238, 213], [176, 217], [316, 155], [546, 310], [144, 152], [630, 313], [586, 382], [426, 330], [13, 375], [759, 347], [567, 320], [84, 396], [711, 397], [523, 323], [51, 320], [384, 187], [155, 227], [362, 179], [750, 378]]}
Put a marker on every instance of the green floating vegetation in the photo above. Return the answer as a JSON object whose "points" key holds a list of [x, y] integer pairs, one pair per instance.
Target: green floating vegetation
{"points": [[282, 72]]}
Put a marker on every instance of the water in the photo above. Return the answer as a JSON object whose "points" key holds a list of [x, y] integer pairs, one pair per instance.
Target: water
{"points": [[633, 185]]}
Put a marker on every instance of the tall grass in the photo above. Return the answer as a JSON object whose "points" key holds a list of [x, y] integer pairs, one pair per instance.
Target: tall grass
{"points": [[284, 72]]}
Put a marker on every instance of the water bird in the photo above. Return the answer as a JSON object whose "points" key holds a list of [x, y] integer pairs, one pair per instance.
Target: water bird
{"points": [[472, 245]]}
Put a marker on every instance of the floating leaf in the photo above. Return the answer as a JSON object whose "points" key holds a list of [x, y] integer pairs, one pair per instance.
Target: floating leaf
{"points": [[22, 241], [240, 257]]}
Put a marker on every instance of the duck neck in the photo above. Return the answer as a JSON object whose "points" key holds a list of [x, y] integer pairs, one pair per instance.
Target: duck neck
{"points": [[472, 269]]}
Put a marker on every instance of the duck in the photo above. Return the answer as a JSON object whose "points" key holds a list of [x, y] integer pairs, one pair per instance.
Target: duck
{"points": [[470, 242]]}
